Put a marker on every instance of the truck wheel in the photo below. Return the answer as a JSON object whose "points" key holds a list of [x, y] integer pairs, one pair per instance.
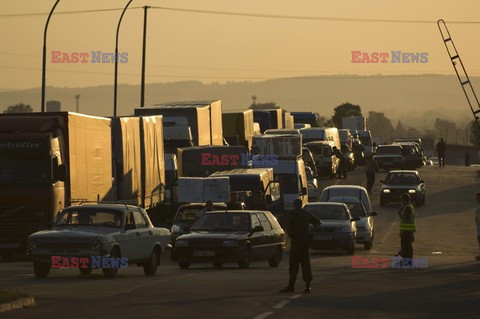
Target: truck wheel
{"points": [[150, 268], [184, 264], [41, 270], [276, 258]]}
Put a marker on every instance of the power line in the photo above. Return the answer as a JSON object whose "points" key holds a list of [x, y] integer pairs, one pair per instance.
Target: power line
{"points": [[244, 14]]}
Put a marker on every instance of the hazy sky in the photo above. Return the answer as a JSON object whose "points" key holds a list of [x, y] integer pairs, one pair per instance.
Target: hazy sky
{"points": [[192, 46]]}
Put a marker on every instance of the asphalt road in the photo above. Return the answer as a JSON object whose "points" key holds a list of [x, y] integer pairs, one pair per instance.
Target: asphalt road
{"points": [[449, 287]]}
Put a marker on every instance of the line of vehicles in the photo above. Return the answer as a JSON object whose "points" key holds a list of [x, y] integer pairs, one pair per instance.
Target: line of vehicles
{"points": [[106, 186]]}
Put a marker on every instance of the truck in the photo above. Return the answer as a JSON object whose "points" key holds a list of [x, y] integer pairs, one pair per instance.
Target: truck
{"points": [[345, 137], [353, 123], [203, 118], [321, 134], [49, 161], [268, 119], [202, 161], [310, 118], [203, 189], [285, 154], [139, 171], [238, 127], [287, 120]]}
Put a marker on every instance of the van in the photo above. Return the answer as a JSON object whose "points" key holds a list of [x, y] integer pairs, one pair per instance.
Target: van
{"points": [[321, 134], [326, 162]]}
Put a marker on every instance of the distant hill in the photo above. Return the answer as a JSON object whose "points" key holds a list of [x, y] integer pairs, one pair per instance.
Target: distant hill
{"points": [[416, 100]]}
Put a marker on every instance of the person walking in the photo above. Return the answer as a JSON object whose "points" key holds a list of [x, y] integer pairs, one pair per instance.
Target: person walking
{"points": [[407, 228], [342, 166], [440, 150], [371, 167], [298, 230], [477, 220]]}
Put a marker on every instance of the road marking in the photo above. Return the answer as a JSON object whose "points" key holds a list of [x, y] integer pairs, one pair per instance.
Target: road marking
{"points": [[295, 296], [281, 304], [264, 315]]}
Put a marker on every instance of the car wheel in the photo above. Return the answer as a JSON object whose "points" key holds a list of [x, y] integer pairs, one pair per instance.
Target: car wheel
{"points": [[351, 249], [85, 271], [276, 258], [41, 270], [150, 268], [184, 264], [245, 261], [111, 272], [217, 264]]}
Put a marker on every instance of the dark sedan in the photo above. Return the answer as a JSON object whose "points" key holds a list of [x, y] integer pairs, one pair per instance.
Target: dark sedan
{"points": [[235, 236], [389, 157], [399, 182]]}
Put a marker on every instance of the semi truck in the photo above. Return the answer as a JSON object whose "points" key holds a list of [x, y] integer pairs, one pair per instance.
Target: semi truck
{"points": [[238, 127], [49, 161]]}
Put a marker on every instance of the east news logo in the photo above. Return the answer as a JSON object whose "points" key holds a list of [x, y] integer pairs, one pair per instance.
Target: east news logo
{"points": [[85, 262]]}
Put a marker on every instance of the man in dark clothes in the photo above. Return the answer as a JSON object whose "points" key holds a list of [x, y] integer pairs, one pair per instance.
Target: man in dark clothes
{"points": [[440, 149], [342, 167], [371, 166], [407, 227], [257, 202], [297, 229], [234, 204]]}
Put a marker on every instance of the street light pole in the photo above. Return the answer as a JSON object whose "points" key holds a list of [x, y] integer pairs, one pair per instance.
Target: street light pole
{"points": [[142, 86], [44, 61], [116, 61]]}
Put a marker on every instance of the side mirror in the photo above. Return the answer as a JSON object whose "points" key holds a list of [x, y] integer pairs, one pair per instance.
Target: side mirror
{"points": [[130, 227], [373, 214], [62, 173], [355, 219], [304, 191]]}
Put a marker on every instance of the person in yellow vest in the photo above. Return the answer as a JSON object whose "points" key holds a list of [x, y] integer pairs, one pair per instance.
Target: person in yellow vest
{"points": [[407, 227]]}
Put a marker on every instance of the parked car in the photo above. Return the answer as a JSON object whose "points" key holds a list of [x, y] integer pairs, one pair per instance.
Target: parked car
{"points": [[238, 236], [101, 230], [338, 228], [399, 182], [185, 217], [389, 157], [358, 202]]}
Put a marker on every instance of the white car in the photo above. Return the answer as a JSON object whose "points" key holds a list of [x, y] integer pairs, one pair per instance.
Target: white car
{"points": [[101, 231], [358, 202]]}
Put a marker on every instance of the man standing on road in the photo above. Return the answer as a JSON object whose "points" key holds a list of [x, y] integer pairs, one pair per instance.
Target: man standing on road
{"points": [[440, 149], [298, 226], [477, 219], [407, 228], [342, 166], [371, 166]]}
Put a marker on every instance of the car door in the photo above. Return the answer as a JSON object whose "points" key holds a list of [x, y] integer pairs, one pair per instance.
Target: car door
{"points": [[127, 239], [256, 239], [143, 236], [268, 238]]}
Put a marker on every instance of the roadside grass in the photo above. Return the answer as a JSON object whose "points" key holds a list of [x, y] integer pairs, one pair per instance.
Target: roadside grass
{"points": [[7, 296]]}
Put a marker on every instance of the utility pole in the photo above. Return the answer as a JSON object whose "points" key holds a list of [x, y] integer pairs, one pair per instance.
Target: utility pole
{"points": [[142, 85], [77, 106]]}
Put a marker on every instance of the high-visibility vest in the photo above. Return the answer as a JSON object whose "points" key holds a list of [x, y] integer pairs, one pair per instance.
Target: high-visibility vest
{"points": [[408, 224]]}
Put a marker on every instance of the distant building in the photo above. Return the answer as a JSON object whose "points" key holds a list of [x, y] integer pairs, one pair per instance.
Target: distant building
{"points": [[54, 106]]}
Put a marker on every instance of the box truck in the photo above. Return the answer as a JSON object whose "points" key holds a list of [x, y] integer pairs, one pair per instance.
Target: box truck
{"points": [[268, 119], [49, 161]]}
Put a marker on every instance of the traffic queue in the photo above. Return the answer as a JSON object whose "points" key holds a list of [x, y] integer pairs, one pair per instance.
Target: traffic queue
{"points": [[187, 180]]}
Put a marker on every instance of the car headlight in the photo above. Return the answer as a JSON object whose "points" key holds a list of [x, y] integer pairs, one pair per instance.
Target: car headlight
{"points": [[230, 243], [412, 191], [344, 230], [181, 243], [96, 244], [175, 228], [33, 244], [386, 190]]}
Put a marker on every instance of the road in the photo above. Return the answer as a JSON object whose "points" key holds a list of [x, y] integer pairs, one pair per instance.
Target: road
{"points": [[449, 287]]}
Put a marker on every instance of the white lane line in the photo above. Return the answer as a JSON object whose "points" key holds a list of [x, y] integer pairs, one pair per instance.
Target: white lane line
{"points": [[295, 296], [281, 304], [264, 315]]}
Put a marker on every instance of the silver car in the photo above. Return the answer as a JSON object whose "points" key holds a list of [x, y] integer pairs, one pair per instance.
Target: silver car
{"points": [[97, 233]]}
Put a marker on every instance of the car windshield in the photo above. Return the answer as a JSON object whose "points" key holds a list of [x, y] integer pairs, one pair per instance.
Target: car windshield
{"points": [[402, 179], [223, 222], [357, 209], [327, 212], [90, 217], [389, 150], [288, 183]]}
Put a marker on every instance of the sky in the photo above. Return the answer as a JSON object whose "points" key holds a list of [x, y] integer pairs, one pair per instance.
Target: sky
{"points": [[219, 48]]}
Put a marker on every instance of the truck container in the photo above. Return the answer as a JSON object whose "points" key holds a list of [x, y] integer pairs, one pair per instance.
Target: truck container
{"points": [[310, 118], [280, 146], [202, 161], [203, 189], [268, 119], [353, 123], [49, 161], [203, 117], [238, 127]]}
